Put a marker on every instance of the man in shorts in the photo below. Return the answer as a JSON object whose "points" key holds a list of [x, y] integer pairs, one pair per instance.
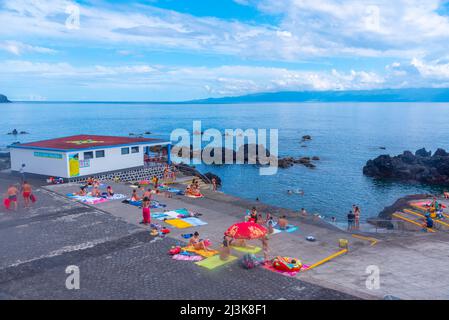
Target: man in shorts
{"points": [[11, 194]]}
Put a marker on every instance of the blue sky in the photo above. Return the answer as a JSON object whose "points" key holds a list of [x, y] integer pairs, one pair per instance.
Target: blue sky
{"points": [[167, 50]]}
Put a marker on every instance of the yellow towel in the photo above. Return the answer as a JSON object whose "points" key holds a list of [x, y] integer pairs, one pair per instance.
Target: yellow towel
{"points": [[178, 223], [203, 253], [214, 262], [247, 249]]}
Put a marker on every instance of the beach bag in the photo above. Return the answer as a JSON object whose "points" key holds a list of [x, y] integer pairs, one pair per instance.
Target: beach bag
{"points": [[33, 198], [7, 203], [249, 261]]}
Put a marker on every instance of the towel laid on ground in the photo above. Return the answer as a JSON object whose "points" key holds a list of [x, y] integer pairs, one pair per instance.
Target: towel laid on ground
{"points": [[158, 215], [183, 257], [87, 199], [195, 221], [214, 262], [203, 253], [285, 273], [290, 228], [247, 249], [178, 223]]}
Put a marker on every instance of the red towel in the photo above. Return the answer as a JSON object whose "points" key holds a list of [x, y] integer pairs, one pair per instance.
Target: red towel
{"points": [[6, 203], [33, 198]]}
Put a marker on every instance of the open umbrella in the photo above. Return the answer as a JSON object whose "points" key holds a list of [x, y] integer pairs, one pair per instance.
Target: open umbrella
{"points": [[246, 230]]}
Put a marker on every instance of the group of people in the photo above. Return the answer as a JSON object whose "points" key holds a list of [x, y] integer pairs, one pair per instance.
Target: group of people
{"points": [[193, 189], [96, 192], [354, 218], [12, 195]]}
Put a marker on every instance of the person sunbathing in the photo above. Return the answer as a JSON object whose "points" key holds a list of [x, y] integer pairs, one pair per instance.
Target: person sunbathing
{"points": [[82, 192], [96, 192], [135, 197], [110, 191], [283, 223], [147, 194], [90, 181], [197, 243]]}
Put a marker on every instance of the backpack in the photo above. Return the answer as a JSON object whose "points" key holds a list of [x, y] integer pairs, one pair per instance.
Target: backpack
{"points": [[249, 261]]}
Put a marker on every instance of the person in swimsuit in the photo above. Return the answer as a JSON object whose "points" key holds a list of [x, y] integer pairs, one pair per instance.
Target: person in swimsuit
{"points": [[11, 194], [26, 193], [283, 223], [146, 211], [214, 184], [135, 196], [357, 217], [253, 215], [197, 243], [96, 192], [110, 191], [147, 194]]}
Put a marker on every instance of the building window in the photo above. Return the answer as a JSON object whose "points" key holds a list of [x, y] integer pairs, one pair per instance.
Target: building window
{"points": [[125, 150], [134, 149], [88, 155], [99, 154]]}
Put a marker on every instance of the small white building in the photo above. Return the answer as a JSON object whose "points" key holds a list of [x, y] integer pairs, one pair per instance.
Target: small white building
{"points": [[86, 155]]}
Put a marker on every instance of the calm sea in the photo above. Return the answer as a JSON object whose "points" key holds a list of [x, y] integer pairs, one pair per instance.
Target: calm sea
{"points": [[345, 136]]}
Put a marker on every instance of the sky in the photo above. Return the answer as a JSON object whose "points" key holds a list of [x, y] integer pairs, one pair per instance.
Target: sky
{"points": [[172, 50]]}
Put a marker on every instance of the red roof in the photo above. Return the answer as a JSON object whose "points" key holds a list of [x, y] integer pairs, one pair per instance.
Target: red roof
{"points": [[84, 141]]}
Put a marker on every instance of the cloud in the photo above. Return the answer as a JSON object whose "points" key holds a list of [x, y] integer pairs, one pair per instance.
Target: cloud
{"points": [[18, 48], [307, 29]]}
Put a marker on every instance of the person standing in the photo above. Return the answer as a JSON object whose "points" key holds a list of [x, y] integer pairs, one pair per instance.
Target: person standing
{"points": [[146, 211], [11, 194], [214, 184], [357, 217], [351, 218], [22, 172], [26, 193]]}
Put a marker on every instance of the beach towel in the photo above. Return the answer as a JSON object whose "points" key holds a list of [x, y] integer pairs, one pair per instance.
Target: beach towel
{"points": [[214, 262], [290, 228], [33, 198], [183, 257], [178, 223], [285, 273], [247, 249], [158, 215], [193, 196], [117, 196], [195, 221], [87, 199], [203, 253], [169, 189]]}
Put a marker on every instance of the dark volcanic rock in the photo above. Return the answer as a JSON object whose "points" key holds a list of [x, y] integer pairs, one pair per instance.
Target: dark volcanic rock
{"points": [[211, 175], [419, 167], [3, 99], [306, 137]]}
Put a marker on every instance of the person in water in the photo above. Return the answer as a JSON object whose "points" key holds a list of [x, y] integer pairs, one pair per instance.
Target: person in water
{"points": [[197, 243], [26, 193], [11, 194]]}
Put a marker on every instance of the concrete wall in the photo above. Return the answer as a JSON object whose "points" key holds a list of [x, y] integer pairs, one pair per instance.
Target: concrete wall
{"points": [[113, 160], [38, 162]]}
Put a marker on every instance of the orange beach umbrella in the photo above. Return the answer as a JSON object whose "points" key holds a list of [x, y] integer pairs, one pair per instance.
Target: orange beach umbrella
{"points": [[246, 230]]}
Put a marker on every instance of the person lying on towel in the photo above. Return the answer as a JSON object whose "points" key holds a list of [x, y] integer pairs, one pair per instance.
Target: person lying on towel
{"points": [[283, 223]]}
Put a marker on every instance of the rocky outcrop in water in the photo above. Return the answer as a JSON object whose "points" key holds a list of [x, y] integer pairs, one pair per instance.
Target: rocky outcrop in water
{"points": [[3, 99], [288, 162], [422, 167]]}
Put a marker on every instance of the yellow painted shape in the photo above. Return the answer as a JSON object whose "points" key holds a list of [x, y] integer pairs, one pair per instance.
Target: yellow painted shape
{"points": [[372, 240], [333, 256], [412, 222]]}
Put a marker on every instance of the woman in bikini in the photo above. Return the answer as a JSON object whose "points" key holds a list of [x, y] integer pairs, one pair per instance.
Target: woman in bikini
{"points": [[135, 197], [197, 243], [110, 191]]}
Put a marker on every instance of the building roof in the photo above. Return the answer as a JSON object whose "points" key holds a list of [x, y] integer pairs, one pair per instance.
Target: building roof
{"points": [[86, 141]]}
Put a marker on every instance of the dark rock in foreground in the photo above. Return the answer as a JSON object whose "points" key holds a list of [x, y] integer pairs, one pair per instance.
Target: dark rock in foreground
{"points": [[420, 167], [3, 99]]}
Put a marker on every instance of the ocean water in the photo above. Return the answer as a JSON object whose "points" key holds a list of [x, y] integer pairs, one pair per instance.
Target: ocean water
{"points": [[344, 136]]}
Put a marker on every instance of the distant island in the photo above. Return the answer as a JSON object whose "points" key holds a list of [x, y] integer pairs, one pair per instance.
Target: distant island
{"points": [[381, 95], [3, 99]]}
